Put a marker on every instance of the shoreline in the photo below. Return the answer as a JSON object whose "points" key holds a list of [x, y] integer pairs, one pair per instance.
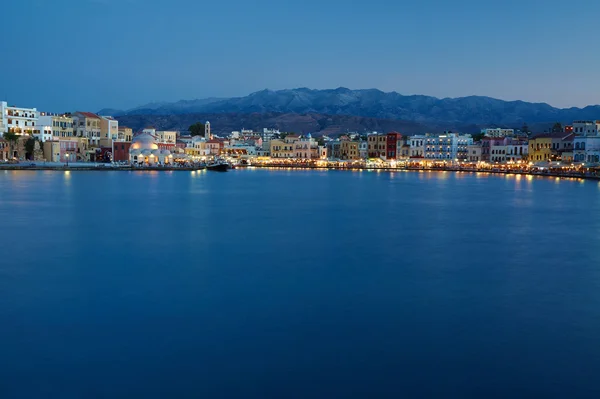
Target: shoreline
{"points": [[303, 167]]}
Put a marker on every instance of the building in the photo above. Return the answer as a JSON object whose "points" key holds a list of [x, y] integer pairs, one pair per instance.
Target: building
{"points": [[109, 130], [215, 146], [4, 150], [120, 150], [306, 148], [363, 149], [392, 140], [417, 146], [51, 149], [550, 146], [586, 149], [586, 128], [166, 137], [197, 147], [17, 120], [474, 152], [377, 145], [144, 151], [87, 125], [447, 147], [284, 148], [207, 133], [349, 150], [498, 133], [124, 134], [334, 149]]}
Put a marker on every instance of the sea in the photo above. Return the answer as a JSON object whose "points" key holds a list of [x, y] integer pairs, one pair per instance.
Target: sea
{"points": [[276, 283]]}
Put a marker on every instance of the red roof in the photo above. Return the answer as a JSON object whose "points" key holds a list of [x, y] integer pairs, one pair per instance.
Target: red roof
{"points": [[89, 115]]}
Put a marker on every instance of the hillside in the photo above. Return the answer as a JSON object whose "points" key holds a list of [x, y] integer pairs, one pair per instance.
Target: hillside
{"points": [[372, 103]]}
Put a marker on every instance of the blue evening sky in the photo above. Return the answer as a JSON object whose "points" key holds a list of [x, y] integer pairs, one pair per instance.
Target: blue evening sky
{"points": [[90, 54]]}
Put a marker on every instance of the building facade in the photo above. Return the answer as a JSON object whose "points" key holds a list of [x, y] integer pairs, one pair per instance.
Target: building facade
{"points": [[87, 125], [18, 120], [447, 147], [498, 133], [349, 150]]}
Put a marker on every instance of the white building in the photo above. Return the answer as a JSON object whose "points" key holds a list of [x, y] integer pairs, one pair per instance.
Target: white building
{"points": [[18, 120], [586, 149], [417, 146], [44, 129], [447, 147], [363, 149], [495, 132], [586, 128], [268, 134]]}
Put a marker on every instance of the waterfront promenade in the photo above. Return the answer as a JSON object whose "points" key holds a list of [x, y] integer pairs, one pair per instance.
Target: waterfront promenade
{"points": [[557, 171]]}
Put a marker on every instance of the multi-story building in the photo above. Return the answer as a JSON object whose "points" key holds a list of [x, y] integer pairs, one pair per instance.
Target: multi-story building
{"points": [[496, 132], [17, 120], [377, 145], [166, 137], [87, 125], [59, 126], [417, 146], [392, 140], [109, 130], [334, 149], [349, 150], [516, 150], [474, 152], [215, 146], [447, 147], [550, 146], [586, 149], [363, 149], [124, 134], [4, 150], [586, 128], [284, 148], [306, 148]]}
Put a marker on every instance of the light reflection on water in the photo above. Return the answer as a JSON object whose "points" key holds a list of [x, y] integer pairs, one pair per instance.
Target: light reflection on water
{"points": [[401, 278]]}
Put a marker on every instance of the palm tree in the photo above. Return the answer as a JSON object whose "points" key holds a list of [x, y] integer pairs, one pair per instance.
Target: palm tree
{"points": [[12, 138]]}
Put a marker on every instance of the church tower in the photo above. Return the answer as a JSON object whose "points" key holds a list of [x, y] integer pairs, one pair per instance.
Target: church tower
{"points": [[207, 134]]}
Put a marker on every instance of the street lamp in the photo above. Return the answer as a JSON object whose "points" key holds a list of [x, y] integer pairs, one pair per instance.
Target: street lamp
{"points": [[67, 160]]}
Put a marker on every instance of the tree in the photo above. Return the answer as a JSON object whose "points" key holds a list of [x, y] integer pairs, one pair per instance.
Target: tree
{"points": [[320, 141], [30, 147], [478, 136], [557, 128], [197, 129], [12, 138], [525, 129]]}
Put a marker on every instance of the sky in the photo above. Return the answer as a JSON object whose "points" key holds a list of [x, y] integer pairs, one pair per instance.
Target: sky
{"points": [[66, 55]]}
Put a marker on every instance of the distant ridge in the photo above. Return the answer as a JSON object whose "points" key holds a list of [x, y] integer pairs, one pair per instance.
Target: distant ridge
{"points": [[373, 103]]}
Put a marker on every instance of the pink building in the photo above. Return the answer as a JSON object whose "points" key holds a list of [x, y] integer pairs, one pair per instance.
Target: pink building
{"points": [[68, 147]]}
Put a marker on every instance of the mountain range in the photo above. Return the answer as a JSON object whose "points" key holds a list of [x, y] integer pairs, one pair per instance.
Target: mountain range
{"points": [[415, 111]]}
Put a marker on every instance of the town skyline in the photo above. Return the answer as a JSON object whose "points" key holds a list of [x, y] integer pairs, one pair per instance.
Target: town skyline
{"points": [[232, 48]]}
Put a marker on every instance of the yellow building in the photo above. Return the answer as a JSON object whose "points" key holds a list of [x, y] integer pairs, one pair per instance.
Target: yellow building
{"points": [[52, 151], [284, 148], [109, 131], [349, 150], [125, 134], [166, 137], [551, 147]]}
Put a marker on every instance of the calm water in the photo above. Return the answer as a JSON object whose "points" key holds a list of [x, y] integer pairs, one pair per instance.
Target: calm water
{"points": [[298, 284]]}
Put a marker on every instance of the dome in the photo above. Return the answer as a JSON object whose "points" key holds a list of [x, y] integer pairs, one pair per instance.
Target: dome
{"points": [[144, 141]]}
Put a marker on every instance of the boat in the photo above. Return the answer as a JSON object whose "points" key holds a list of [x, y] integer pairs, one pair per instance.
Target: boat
{"points": [[218, 166]]}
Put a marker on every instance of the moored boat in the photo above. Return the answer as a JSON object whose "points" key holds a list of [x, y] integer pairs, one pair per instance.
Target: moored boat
{"points": [[218, 166]]}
